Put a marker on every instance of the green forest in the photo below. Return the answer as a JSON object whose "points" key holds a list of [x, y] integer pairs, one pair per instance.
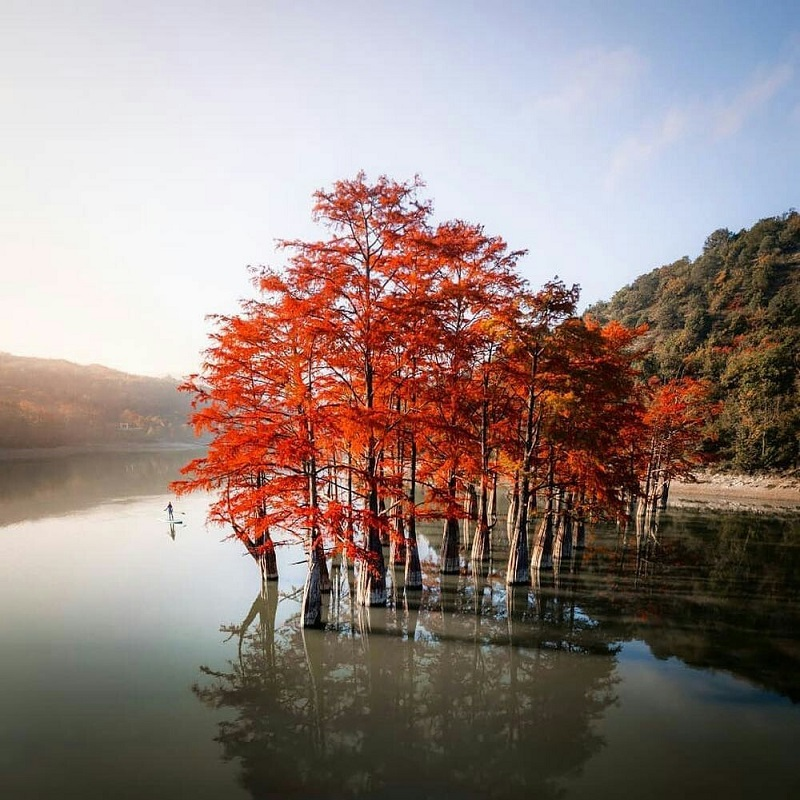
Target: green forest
{"points": [[53, 403], [730, 316]]}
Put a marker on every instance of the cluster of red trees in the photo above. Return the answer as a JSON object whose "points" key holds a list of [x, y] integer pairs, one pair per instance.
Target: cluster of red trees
{"points": [[397, 369]]}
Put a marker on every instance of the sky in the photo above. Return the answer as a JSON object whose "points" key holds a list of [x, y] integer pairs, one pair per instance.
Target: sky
{"points": [[151, 151]]}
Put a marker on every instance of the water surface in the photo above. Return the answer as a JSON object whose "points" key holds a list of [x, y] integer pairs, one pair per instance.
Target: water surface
{"points": [[140, 661]]}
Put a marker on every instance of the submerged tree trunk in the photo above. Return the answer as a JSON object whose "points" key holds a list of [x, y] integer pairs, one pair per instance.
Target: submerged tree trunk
{"points": [[542, 557], [312, 592], [518, 569], [371, 583], [543, 540], [562, 536], [655, 489], [397, 541], [413, 573], [664, 499], [580, 533], [268, 562], [513, 508], [317, 578], [262, 550], [324, 575], [492, 505], [451, 565], [471, 503], [371, 578], [481, 542]]}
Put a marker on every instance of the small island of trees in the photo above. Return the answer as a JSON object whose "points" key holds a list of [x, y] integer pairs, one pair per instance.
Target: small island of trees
{"points": [[400, 370]]}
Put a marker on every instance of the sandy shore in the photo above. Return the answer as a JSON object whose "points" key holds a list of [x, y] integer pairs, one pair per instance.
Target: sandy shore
{"points": [[738, 491]]}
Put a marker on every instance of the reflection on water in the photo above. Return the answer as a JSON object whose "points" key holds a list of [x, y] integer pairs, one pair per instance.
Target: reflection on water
{"points": [[49, 484], [419, 698], [464, 690], [661, 665], [717, 592]]}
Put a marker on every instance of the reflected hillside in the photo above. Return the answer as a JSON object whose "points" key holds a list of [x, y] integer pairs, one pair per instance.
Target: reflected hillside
{"points": [[444, 694], [718, 592], [51, 485]]}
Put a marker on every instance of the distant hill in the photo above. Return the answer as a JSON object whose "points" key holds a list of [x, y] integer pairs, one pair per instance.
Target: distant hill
{"points": [[50, 403], [731, 316]]}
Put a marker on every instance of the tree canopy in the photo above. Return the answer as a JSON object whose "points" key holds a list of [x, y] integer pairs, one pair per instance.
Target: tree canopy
{"points": [[384, 372]]}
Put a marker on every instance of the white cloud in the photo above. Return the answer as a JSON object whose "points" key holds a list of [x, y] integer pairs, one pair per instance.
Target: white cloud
{"points": [[732, 116], [648, 144], [702, 118], [590, 79]]}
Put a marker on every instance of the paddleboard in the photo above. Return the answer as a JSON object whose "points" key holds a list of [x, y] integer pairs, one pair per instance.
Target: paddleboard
{"points": [[174, 521]]}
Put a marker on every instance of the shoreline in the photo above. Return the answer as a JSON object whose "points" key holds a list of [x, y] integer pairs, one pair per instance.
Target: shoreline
{"points": [[779, 492], [714, 490], [64, 451]]}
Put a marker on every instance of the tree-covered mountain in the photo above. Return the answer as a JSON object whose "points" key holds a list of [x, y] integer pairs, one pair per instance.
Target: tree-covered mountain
{"points": [[50, 403], [731, 316]]}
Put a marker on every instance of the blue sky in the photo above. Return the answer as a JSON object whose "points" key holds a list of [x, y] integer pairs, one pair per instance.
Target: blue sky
{"points": [[151, 151]]}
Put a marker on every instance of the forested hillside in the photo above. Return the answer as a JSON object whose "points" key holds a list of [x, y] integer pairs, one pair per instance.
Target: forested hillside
{"points": [[731, 316], [50, 403]]}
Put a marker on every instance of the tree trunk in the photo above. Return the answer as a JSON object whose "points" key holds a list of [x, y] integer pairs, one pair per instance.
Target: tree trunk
{"points": [[543, 543], [413, 574], [268, 562], [397, 540], [384, 527], [312, 593], [451, 564], [513, 508], [371, 578], [492, 505], [562, 537], [371, 584], [580, 534], [543, 540], [263, 551], [471, 503], [324, 575], [532, 506], [518, 569], [664, 496], [481, 541]]}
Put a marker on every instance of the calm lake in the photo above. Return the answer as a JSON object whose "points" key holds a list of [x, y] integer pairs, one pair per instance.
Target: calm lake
{"points": [[139, 661]]}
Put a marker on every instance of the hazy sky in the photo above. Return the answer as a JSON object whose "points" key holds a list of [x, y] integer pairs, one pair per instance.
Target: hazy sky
{"points": [[152, 150]]}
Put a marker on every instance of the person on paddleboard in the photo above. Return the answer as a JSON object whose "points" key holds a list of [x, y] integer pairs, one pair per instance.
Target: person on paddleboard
{"points": [[168, 509]]}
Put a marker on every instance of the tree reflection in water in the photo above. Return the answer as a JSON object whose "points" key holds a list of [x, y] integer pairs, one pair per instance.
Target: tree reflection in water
{"points": [[458, 690], [718, 592], [468, 689]]}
